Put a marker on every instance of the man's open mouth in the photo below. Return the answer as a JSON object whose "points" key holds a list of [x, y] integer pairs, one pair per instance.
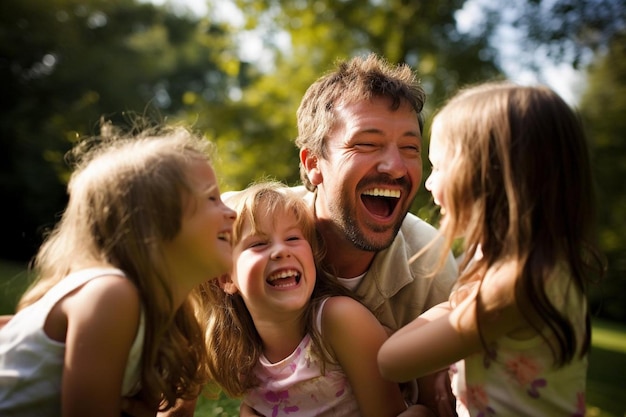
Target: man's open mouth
{"points": [[381, 202]]}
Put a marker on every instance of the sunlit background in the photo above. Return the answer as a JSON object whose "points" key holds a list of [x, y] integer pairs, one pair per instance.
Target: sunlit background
{"points": [[235, 70]]}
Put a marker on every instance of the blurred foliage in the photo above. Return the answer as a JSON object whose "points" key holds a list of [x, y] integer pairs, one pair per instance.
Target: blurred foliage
{"points": [[571, 31], [603, 107], [304, 38], [67, 64]]}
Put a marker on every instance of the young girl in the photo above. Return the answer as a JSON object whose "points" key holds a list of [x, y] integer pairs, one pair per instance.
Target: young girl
{"points": [[511, 173], [291, 341], [109, 315]]}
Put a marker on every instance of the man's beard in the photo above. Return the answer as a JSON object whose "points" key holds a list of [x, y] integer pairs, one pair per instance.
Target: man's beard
{"points": [[347, 222]]}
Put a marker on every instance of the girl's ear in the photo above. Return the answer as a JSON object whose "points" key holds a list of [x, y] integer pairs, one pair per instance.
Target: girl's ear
{"points": [[310, 164], [227, 284]]}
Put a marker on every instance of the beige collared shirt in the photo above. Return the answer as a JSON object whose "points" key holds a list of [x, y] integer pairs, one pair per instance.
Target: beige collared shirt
{"points": [[394, 290]]}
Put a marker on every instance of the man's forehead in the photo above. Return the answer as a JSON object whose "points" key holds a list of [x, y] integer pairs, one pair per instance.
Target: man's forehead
{"points": [[364, 103]]}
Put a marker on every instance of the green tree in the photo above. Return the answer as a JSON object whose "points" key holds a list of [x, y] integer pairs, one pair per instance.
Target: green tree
{"points": [[422, 34], [603, 106], [563, 31], [67, 63]]}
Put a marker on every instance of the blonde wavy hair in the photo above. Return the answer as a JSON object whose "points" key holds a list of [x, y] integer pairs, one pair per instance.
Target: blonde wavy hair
{"points": [[125, 201], [232, 340]]}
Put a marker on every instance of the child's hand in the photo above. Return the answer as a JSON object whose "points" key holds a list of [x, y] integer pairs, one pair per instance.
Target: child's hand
{"points": [[446, 402], [417, 411], [246, 411], [132, 407], [183, 408]]}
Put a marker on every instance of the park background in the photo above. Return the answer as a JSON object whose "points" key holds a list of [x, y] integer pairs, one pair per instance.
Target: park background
{"points": [[236, 70]]}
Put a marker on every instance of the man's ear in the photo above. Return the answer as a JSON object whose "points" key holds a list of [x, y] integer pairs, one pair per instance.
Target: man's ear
{"points": [[227, 284], [310, 163]]}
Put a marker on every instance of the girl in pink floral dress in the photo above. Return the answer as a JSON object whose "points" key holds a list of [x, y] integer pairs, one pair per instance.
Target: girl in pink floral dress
{"points": [[511, 173], [288, 340]]}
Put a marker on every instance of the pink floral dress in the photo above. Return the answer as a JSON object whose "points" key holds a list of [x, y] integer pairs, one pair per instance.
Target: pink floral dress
{"points": [[295, 386], [518, 378]]}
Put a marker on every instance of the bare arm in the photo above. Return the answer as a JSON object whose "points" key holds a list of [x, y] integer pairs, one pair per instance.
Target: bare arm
{"points": [[354, 335], [246, 411], [136, 408], [102, 321], [183, 408], [428, 316], [4, 319], [132, 407], [428, 345], [435, 392]]}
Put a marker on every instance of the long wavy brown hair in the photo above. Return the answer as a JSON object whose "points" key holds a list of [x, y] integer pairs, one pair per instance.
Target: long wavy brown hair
{"points": [[520, 188], [125, 201]]}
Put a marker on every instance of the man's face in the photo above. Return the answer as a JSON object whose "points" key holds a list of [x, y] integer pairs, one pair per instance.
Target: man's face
{"points": [[371, 171]]}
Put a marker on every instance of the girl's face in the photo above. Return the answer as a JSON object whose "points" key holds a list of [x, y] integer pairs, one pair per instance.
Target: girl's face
{"points": [[274, 267], [436, 154], [202, 249]]}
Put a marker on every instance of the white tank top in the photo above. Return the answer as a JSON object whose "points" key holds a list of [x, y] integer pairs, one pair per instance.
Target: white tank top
{"points": [[31, 364]]}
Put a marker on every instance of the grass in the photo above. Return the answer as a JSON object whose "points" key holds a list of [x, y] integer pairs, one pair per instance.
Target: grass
{"points": [[606, 378], [13, 282]]}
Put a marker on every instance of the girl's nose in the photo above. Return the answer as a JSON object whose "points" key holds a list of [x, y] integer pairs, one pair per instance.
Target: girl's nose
{"points": [[229, 213], [279, 251], [428, 183]]}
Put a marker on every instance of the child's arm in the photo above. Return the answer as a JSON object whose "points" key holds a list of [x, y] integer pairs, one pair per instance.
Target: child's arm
{"points": [[431, 314], [354, 335], [426, 346], [183, 408], [246, 411], [132, 407], [102, 322], [434, 389], [4, 319]]}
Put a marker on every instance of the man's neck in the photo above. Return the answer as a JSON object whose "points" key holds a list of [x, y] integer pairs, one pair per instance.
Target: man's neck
{"points": [[342, 258]]}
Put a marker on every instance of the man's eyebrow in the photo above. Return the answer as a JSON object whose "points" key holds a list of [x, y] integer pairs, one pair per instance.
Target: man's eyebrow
{"points": [[415, 133]]}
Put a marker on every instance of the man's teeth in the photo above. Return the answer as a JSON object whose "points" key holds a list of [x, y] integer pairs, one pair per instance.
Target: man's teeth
{"points": [[380, 192], [224, 236]]}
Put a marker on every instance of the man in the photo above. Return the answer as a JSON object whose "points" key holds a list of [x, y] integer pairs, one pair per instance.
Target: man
{"points": [[360, 142]]}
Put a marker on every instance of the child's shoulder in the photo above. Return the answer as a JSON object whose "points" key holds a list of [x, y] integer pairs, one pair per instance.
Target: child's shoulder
{"points": [[347, 323], [107, 291], [500, 280], [343, 315], [105, 299], [341, 304]]}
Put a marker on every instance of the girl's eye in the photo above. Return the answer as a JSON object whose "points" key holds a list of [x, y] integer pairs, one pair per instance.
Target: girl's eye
{"points": [[249, 243], [293, 238]]}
